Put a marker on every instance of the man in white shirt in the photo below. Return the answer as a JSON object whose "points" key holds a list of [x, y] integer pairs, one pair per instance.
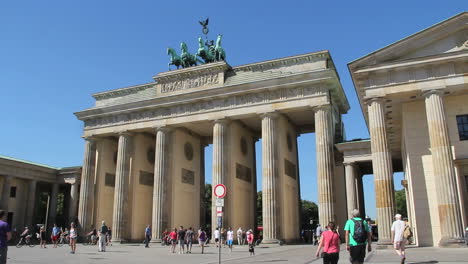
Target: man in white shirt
{"points": [[216, 236], [239, 236], [230, 238], [398, 229]]}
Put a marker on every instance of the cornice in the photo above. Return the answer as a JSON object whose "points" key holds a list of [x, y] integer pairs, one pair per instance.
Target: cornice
{"points": [[122, 91], [209, 68]]}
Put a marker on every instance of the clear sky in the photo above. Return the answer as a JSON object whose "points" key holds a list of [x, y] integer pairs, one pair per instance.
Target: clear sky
{"points": [[55, 54]]}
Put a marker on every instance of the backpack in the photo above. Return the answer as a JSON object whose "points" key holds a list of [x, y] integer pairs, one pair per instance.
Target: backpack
{"points": [[407, 233], [104, 230], [360, 233]]}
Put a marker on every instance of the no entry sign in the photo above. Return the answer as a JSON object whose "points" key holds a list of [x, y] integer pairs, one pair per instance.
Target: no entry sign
{"points": [[220, 190]]}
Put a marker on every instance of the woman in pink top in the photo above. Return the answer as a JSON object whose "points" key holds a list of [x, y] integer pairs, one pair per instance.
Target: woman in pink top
{"points": [[331, 245]]}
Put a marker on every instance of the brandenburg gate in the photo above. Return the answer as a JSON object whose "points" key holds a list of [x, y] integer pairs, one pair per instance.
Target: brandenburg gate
{"points": [[144, 147]]}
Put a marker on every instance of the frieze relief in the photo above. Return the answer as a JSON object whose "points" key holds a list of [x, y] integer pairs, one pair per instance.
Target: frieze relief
{"points": [[191, 82], [207, 106]]}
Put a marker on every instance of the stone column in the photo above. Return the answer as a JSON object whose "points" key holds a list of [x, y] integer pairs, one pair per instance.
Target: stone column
{"points": [[351, 196], [122, 174], [270, 175], [161, 173], [382, 167], [220, 163], [73, 202], [462, 194], [53, 204], [31, 203], [325, 164], [6, 193], [443, 166], [87, 186]]}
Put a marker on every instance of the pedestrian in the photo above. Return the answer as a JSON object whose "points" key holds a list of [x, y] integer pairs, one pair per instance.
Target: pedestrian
{"points": [[73, 236], [318, 233], [55, 235], [147, 235], [330, 243], [358, 233], [230, 238], [173, 238], [202, 239], [239, 236], [103, 236], [223, 237], [466, 236], [217, 236], [244, 237], [181, 239], [250, 241], [189, 239], [398, 229], [5, 236], [109, 237], [42, 237]]}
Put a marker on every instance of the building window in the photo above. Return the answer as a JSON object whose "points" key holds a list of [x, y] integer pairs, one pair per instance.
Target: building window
{"points": [[13, 192], [462, 122]]}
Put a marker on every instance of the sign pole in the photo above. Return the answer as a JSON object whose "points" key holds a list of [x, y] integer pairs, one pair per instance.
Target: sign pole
{"points": [[219, 192]]}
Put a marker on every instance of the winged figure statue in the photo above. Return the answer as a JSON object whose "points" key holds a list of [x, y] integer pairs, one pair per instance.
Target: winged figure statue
{"points": [[204, 24]]}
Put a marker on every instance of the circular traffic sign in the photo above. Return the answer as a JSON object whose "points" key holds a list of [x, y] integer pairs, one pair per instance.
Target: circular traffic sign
{"points": [[220, 190]]}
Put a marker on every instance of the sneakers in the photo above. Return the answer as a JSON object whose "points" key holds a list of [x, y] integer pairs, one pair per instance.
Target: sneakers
{"points": [[403, 260]]}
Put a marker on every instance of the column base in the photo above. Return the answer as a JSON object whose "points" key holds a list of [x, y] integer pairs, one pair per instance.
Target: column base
{"points": [[156, 240], [273, 242], [452, 242], [118, 241], [384, 244]]}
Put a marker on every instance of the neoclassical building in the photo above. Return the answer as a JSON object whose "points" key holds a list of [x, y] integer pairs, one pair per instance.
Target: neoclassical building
{"points": [[26, 186], [414, 97]]}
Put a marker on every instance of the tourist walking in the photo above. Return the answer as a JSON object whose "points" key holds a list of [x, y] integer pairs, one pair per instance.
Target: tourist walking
{"points": [[230, 238], [55, 235], [42, 237], [223, 237], [147, 235], [173, 239], [102, 237], [181, 239], [216, 237], [73, 236], [5, 236], [189, 239], [398, 229], [318, 233], [239, 236], [109, 237], [330, 243], [250, 242], [358, 233], [202, 239]]}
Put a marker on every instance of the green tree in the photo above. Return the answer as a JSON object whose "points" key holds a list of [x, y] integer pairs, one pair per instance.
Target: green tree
{"points": [[309, 211], [400, 199], [207, 203], [259, 209]]}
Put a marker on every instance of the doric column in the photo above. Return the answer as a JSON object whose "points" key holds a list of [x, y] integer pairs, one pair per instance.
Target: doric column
{"points": [[30, 203], [53, 204], [73, 202], [270, 175], [6, 193], [161, 173], [382, 167], [87, 186], [122, 173], [220, 163], [443, 166], [351, 196], [325, 164]]}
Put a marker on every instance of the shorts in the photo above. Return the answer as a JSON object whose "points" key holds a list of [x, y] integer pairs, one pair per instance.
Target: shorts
{"points": [[331, 258], [399, 245], [357, 253], [229, 242], [181, 242], [216, 239]]}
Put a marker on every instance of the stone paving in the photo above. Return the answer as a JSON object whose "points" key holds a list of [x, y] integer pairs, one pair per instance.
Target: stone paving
{"points": [[301, 254]]}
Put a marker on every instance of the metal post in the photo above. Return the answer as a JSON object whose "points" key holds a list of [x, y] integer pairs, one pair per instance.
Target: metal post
{"points": [[47, 213], [220, 224]]}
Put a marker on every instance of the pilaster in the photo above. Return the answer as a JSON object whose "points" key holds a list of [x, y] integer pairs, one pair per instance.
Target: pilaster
{"points": [[351, 195], [85, 208]]}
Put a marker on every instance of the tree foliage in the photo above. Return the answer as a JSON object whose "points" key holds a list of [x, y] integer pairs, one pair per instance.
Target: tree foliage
{"points": [[309, 211], [400, 199]]}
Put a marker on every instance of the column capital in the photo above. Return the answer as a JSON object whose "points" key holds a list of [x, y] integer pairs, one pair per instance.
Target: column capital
{"points": [[428, 92], [349, 163], [321, 107], [125, 133], [371, 99], [163, 129], [222, 121], [272, 114], [91, 139]]}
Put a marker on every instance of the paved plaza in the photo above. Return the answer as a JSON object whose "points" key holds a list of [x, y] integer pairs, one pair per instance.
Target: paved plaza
{"points": [[301, 254]]}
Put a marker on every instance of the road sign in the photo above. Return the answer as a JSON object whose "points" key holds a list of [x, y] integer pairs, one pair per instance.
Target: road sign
{"points": [[219, 202], [220, 221], [220, 190]]}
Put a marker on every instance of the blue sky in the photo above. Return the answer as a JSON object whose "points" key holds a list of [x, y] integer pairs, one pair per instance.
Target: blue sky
{"points": [[55, 54]]}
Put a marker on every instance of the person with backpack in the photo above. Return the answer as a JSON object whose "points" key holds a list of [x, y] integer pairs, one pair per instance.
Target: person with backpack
{"points": [[331, 245], [202, 239], [358, 236], [102, 237], [399, 228]]}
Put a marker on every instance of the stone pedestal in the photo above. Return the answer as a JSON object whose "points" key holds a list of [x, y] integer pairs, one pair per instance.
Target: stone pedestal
{"points": [[325, 164], [351, 195], [160, 184], [382, 167], [6, 193], [122, 173], [269, 178], [31, 203], [87, 187], [444, 175]]}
